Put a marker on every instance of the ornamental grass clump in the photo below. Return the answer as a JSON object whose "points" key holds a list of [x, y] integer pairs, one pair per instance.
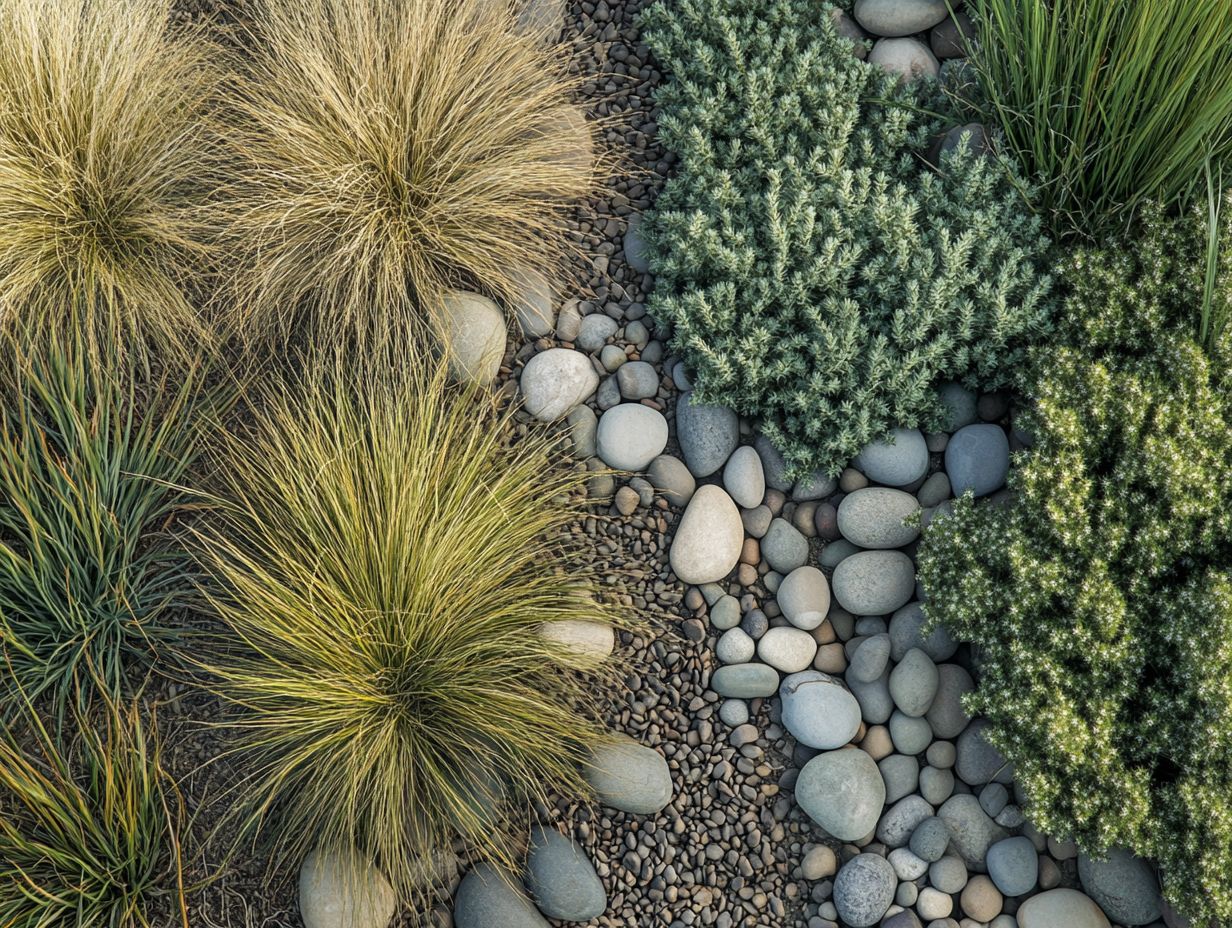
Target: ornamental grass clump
{"points": [[93, 460], [107, 167], [1099, 600], [1108, 104], [818, 274], [384, 561], [392, 150], [90, 834]]}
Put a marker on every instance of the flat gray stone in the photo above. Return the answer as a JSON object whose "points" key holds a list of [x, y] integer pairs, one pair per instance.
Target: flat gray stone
{"points": [[876, 705], [910, 734], [1123, 885], [773, 465], [707, 434], [338, 890], [1061, 907], [871, 658], [899, 17], [745, 681], [818, 710], [913, 683], [873, 582], [561, 879], [900, 820], [637, 256], [907, 632], [532, 306], [816, 485], [629, 776], [725, 613], [910, 59], [669, 476], [842, 791], [594, 331], [972, 832], [787, 649], [709, 537], [744, 478], [555, 381], [901, 774], [930, 839], [630, 436], [946, 716], [783, 547], [804, 597], [977, 459], [901, 460], [637, 380], [958, 402], [488, 896], [473, 336], [874, 518], [735, 647], [978, 761], [1013, 866], [864, 890]]}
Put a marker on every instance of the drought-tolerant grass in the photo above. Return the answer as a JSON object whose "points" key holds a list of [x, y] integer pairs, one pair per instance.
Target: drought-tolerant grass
{"points": [[385, 557], [91, 472], [1108, 103], [392, 149], [106, 166], [89, 836]]}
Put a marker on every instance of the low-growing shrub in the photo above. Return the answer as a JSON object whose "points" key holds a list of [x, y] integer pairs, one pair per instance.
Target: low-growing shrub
{"points": [[106, 170], [818, 275], [89, 836], [384, 564], [1108, 104], [1099, 598], [92, 462], [392, 150]]}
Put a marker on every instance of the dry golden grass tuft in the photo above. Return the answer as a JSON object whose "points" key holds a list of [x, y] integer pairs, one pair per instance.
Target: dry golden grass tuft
{"points": [[107, 166], [392, 150]]}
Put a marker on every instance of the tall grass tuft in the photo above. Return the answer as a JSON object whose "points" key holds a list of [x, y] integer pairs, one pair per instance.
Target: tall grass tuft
{"points": [[1109, 103], [391, 150], [386, 559], [106, 170], [89, 837], [92, 463]]}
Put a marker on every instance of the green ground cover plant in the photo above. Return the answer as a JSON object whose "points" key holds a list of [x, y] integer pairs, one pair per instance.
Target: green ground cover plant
{"points": [[391, 150], [90, 834], [1108, 104], [106, 169], [819, 276], [92, 467], [383, 561], [1099, 599]]}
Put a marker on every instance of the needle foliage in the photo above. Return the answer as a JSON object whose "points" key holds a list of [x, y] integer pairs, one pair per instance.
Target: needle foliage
{"points": [[106, 169], [392, 150], [92, 464], [384, 560], [1108, 104], [89, 835]]}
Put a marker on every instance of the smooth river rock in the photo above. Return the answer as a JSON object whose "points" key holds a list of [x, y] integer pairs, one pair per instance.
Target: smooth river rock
{"points": [[899, 17], [909, 58], [555, 381], [744, 478], [977, 459], [842, 791], [745, 681], [874, 518], [1123, 885], [874, 582], [629, 776], [864, 889], [787, 649], [561, 878], [1061, 908], [473, 336], [586, 644], [818, 710], [709, 538], [707, 434], [630, 436], [972, 832], [901, 460], [488, 896], [804, 597], [341, 890]]}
